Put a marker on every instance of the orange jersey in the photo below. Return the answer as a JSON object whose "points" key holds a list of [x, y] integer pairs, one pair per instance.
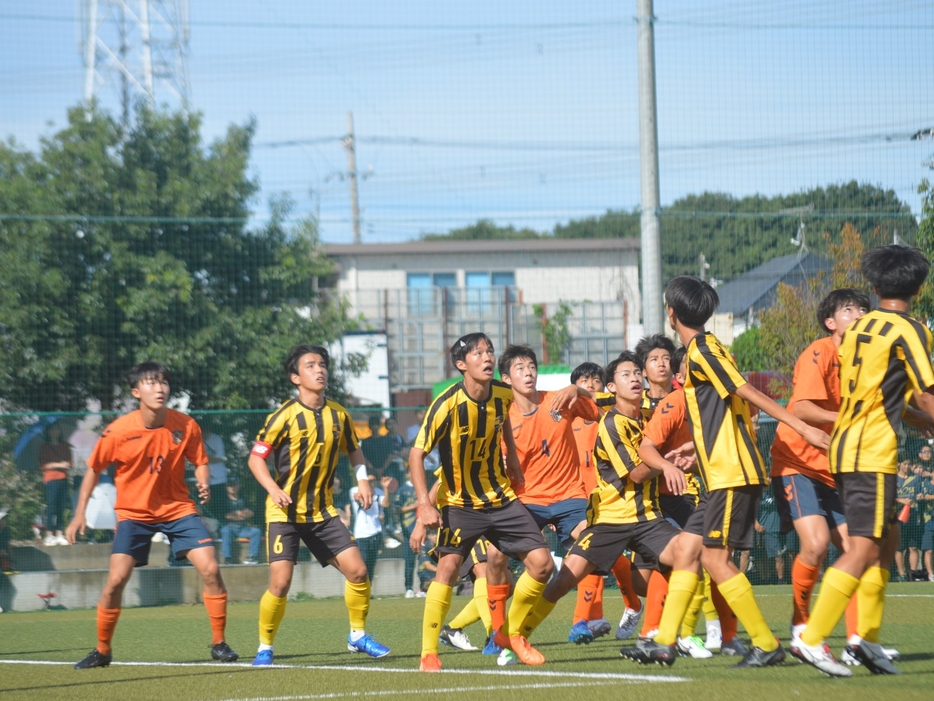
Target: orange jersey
{"points": [[150, 476], [817, 379], [585, 435], [668, 429], [547, 451]]}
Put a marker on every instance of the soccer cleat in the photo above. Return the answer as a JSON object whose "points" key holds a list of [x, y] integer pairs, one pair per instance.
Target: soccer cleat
{"points": [[714, 636], [797, 629], [223, 652], [580, 633], [627, 624], [519, 645], [95, 658], [693, 646], [409, 593], [848, 657], [369, 645], [819, 656], [757, 657], [263, 658], [429, 663], [491, 648], [873, 657], [456, 638], [650, 652], [734, 648], [599, 627], [507, 658]]}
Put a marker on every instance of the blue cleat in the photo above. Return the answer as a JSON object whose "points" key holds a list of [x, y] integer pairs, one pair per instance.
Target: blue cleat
{"points": [[491, 648], [369, 645], [580, 633], [263, 658]]}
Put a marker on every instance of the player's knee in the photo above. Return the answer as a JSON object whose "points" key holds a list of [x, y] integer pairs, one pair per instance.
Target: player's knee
{"points": [[540, 564]]}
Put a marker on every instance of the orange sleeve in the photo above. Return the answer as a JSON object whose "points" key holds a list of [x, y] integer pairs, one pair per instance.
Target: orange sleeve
{"points": [[194, 450], [810, 383], [104, 451], [585, 408]]}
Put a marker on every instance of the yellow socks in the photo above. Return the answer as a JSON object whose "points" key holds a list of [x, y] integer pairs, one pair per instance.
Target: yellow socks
{"points": [[871, 602], [738, 594], [682, 584], [271, 611], [437, 603], [693, 612], [527, 592], [468, 615], [481, 601], [835, 591], [710, 610], [357, 599], [539, 613]]}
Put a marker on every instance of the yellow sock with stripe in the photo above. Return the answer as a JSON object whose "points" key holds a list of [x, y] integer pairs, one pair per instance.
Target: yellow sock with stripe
{"points": [[693, 613], [357, 599], [710, 610], [481, 601], [835, 591], [871, 603], [528, 591], [467, 615], [271, 611], [682, 584], [437, 602], [738, 594], [539, 613]]}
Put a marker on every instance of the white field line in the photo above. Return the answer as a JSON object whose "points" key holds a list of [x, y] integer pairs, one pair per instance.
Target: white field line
{"points": [[887, 596], [589, 676]]}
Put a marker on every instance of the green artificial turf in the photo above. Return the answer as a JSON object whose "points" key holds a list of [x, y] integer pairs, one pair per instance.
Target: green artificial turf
{"points": [[311, 646]]}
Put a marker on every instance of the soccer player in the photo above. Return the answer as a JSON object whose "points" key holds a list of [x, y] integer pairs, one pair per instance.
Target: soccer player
{"points": [[624, 511], [730, 466], [805, 495], [469, 422], [149, 447], [304, 437], [552, 489], [885, 362]]}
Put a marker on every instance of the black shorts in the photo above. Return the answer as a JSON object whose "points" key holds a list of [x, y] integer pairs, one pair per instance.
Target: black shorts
{"points": [[868, 502], [603, 543], [325, 540], [510, 528], [727, 517], [677, 508], [476, 557]]}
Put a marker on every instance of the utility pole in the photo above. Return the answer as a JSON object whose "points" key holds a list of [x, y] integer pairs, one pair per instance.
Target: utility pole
{"points": [[350, 145], [652, 311], [703, 266]]}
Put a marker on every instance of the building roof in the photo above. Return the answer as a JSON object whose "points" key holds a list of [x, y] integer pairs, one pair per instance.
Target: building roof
{"points": [[752, 288], [452, 246]]}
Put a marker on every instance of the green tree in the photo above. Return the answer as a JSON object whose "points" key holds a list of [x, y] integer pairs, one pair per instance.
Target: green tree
{"points": [[118, 246], [924, 302], [484, 230]]}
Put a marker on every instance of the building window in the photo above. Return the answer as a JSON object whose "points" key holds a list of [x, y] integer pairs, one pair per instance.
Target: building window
{"points": [[483, 292], [421, 292]]}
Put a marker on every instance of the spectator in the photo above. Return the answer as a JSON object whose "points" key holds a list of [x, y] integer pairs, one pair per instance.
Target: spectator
{"points": [[6, 548], [54, 464], [925, 498], [377, 448], [432, 459], [82, 443], [236, 524], [368, 526], [217, 464], [908, 487], [925, 461], [769, 525], [405, 503], [341, 501]]}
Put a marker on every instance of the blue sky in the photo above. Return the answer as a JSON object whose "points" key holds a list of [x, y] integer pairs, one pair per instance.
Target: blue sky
{"points": [[524, 112]]}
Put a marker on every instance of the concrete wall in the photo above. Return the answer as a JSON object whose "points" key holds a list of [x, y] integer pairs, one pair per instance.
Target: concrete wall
{"points": [[162, 586]]}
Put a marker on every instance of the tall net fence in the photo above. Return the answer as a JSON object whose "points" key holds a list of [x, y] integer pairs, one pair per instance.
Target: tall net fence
{"points": [[215, 208]]}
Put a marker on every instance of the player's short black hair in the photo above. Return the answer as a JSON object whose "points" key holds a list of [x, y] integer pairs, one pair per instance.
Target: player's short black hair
{"points": [[609, 372], [585, 371], [693, 300], [895, 272], [291, 362], [677, 358], [838, 299], [512, 354], [147, 370], [649, 343], [463, 345]]}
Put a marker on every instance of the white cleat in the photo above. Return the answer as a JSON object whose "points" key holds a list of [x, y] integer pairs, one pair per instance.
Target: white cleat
{"points": [[693, 646], [507, 658], [456, 638], [714, 636], [599, 627], [628, 623], [819, 656]]}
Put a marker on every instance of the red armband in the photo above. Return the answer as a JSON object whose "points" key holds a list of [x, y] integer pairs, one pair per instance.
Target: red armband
{"points": [[261, 449]]}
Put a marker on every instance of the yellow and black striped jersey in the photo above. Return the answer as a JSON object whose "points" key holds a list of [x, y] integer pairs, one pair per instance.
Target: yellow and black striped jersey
{"points": [[605, 401], [724, 441], [468, 435], [617, 499], [305, 444], [885, 356]]}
